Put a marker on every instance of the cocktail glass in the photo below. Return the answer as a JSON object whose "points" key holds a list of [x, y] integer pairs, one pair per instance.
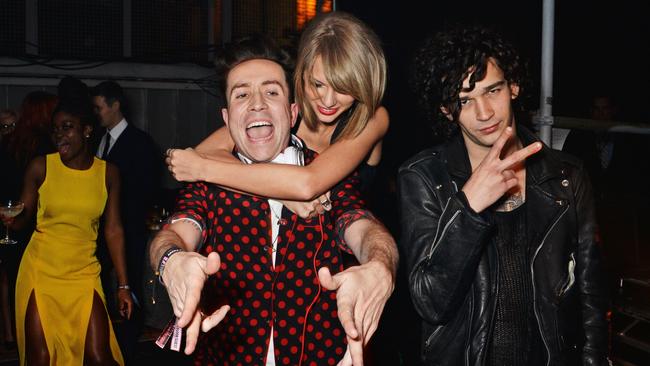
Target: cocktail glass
{"points": [[10, 209]]}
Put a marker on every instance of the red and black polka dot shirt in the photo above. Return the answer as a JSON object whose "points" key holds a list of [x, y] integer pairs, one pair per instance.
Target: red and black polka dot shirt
{"points": [[286, 297]]}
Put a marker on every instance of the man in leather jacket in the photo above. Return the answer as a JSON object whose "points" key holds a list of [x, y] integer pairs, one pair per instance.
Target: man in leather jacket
{"points": [[498, 229]]}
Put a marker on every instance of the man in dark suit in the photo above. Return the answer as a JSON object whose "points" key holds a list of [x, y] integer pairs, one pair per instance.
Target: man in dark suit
{"points": [[139, 161]]}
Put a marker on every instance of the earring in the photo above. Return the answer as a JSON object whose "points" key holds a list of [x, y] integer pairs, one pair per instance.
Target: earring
{"points": [[87, 136]]}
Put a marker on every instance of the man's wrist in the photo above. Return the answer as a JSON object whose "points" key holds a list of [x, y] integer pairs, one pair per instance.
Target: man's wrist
{"points": [[382, 265], [164, 260], [202, 175]]}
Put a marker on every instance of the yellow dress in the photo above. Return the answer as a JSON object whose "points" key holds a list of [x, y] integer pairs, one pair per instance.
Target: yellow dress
{"points": [[59, 264]]}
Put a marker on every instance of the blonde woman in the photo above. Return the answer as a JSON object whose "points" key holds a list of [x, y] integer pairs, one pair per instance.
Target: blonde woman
{"points": [[340, 79]]}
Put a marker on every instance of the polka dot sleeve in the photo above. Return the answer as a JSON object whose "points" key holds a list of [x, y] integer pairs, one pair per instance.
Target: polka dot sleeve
{"points": [[347, 207], [193, 204], [344, 221]]}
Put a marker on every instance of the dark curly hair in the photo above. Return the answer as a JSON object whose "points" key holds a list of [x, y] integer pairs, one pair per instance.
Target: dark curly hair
{"points": [[446, 59]]}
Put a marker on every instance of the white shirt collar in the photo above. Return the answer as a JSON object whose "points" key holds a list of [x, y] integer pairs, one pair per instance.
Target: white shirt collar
{"points": [[116, 131]]}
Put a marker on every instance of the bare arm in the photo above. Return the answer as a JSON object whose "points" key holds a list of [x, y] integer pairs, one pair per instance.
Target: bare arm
{"points": [[34, 177], [218, 144], [114, 235], [293, 182], [370, 241], [182, 234], [184, 272]]}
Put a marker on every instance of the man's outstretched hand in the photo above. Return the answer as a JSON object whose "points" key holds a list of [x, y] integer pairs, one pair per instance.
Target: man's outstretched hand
{"points": [[361, 293], [184, 276]]}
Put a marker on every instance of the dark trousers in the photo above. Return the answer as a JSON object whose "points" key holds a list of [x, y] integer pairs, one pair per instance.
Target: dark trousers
{"points": [[127, 331]]}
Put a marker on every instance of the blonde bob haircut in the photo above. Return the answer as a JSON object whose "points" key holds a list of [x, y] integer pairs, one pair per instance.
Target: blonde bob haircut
{"points": [[353, 64]]}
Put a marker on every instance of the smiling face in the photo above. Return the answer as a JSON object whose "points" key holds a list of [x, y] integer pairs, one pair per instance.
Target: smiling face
{"points": [[259, 115], [327, 103], [69, 135], [487, 109]]}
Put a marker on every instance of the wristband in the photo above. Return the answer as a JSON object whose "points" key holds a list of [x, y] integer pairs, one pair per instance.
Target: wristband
{"points": [[124, 287], [163, 261], [190, 220]]}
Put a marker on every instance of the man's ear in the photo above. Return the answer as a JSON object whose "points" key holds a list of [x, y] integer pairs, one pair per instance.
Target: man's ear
{"points": [[116, 105], [294, 113], [514, 90], [224, 115], [447, 114]]}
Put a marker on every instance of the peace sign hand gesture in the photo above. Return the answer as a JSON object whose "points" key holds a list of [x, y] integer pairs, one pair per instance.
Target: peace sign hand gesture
{"points": [[494, 176]]}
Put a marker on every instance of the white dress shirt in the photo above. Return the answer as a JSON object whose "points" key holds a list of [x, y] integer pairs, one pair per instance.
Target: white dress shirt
{"points": [[115, 133]]}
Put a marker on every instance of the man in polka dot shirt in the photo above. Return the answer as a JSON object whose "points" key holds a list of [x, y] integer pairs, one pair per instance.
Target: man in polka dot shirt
{"points": [[251, 269]]}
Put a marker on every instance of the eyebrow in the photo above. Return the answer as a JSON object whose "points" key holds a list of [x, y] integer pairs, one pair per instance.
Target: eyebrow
{"points": [[238, 86], [273, 82], [485, 89], [246, 85]]}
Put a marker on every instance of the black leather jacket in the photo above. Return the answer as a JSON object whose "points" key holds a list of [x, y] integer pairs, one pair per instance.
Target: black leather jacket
{"points": [[453, 268]]}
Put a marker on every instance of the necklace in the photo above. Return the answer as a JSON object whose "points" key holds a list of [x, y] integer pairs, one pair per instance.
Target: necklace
{"points": [[511, 202]]}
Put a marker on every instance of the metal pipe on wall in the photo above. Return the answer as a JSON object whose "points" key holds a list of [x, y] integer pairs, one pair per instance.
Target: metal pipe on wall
{"points": [[544, 118]]}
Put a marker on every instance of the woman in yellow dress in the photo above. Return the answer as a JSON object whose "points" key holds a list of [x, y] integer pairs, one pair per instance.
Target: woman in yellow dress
{"points": [[61, 316]]}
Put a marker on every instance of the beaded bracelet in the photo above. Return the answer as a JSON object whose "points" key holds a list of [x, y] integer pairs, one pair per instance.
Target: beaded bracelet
{"points": [[163, 261], [124, 287]]}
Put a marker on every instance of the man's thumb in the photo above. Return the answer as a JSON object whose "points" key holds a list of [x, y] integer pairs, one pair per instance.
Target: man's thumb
{"points": [[326, 279], [213, 263]]}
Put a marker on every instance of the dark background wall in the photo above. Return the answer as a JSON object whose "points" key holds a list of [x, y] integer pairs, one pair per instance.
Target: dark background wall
{"points": [[598, 46]]}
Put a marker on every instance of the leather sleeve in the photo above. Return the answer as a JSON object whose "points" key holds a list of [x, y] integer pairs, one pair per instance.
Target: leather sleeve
{"points": [[442, 241], [589, 274]]}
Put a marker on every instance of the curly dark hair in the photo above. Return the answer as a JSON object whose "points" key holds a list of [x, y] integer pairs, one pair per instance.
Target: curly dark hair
{"points": [[446, 59]]}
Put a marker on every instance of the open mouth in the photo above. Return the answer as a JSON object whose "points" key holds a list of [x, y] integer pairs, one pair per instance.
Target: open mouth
{"points": [[327, 111], [62, 147], [259, 130]]}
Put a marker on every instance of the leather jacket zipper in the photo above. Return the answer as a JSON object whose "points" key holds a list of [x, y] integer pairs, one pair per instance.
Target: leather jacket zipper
{"points": [[428, 342], [532, 272], [469, 330], [437, 239], [570, 279]]}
